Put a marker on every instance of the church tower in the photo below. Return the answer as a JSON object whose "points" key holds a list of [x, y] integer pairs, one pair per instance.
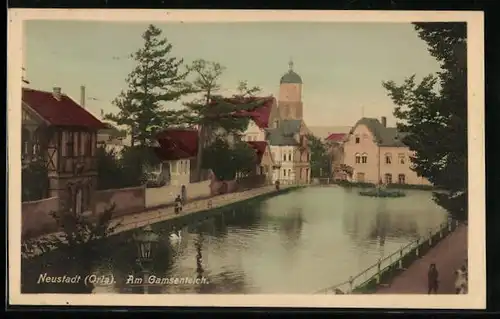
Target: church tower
{"points": [[290, 96]]}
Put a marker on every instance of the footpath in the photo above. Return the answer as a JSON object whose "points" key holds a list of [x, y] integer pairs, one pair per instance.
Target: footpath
{"points": [[153, 216], [448, 255]]}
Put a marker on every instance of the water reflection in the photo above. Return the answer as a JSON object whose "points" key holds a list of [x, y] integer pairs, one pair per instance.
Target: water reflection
{"points": [[294, 243]]}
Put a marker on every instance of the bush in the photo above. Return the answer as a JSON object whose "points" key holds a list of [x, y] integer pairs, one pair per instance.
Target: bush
{"points": [[34, 181]]}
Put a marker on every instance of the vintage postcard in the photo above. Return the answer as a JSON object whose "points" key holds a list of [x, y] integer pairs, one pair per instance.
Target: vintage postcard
{"points": [[246, 158]]}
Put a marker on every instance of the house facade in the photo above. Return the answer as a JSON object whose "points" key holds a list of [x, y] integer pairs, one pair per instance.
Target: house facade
{"points": [[377, 154], [177, 149], [334, 144], [111, 139], [62, 134], [290, 151], [265, 162]]}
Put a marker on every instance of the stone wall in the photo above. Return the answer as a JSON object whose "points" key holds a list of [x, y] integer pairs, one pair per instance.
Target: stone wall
{"points": [[166, 195], [36, 218], [125, 200]]}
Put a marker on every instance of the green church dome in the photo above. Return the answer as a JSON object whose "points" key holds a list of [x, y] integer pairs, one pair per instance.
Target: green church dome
{"points": [[291, 76]]}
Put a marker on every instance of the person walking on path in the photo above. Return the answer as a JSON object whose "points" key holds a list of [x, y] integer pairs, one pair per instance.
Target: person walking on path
{"points": [[178, 204], [461, 281], [433, 279], [449, 253]]}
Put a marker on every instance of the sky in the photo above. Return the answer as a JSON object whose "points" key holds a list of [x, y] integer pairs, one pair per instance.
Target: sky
{"points": [[342, 65]]}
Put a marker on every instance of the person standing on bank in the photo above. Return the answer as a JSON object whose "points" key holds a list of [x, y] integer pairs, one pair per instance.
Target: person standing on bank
{"points": [[461, 281], [433, 280], [178, 204]]}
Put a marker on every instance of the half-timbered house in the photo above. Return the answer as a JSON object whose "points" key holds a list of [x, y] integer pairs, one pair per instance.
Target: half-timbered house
{"points": [[63, 134]]}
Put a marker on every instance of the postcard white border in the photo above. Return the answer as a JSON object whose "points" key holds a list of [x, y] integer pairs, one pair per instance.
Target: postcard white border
{"points": [[476, 299]]}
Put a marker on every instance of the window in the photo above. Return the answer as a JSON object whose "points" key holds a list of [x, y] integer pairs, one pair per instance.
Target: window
{"points": [[26, 147], [174, 166], [360, 177], [357, 140], [289, 172], [284, 172], [388, 158], [364, 158], [401, 158], [87, 140], [290, 157], [36, 148], [401, 179], [388, 178], [284, 157], [70, 146], [358, 158]]}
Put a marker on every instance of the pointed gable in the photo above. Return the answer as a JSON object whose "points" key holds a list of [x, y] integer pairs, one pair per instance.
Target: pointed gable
{"points": [[59, 112]]}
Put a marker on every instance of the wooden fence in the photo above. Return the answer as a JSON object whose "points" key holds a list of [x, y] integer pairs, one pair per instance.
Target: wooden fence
{"points": [[388, 267]]}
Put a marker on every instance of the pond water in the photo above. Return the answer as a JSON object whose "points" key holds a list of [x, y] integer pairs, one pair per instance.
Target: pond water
{"points": [[299, 242]]}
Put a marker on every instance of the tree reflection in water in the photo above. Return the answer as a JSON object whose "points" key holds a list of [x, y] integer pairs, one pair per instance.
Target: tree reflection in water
{"points": [[366, 225], [291, 226]]}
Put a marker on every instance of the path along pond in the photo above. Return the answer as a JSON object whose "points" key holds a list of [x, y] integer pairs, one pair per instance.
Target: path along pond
{"points": [[299, 242]]}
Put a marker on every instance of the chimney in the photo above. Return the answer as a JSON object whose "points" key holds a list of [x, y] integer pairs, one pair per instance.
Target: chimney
{"points": [[82, 96], [383, 119], [57, 93]]}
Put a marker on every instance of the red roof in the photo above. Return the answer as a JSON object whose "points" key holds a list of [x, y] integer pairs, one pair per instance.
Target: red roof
{"points": [[336, 137], [63, 112], [260, 115], [177, 144], [259, 147]]}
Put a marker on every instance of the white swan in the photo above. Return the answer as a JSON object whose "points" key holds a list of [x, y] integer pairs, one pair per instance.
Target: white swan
{"points": [[175, 237]]}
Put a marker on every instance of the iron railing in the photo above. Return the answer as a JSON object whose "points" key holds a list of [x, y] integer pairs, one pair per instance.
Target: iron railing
{"points": [[375, 271]]}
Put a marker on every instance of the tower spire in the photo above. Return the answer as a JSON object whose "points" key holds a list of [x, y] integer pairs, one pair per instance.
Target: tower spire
{"points": [[290, 64]]}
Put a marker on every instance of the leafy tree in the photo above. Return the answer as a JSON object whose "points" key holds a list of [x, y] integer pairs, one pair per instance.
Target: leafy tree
{"points": [[207, 74], [34, 180], [136, 162], [321, 162], [157, 79], [213, 113], [433, 114], [226, 161], [110, 173]]}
